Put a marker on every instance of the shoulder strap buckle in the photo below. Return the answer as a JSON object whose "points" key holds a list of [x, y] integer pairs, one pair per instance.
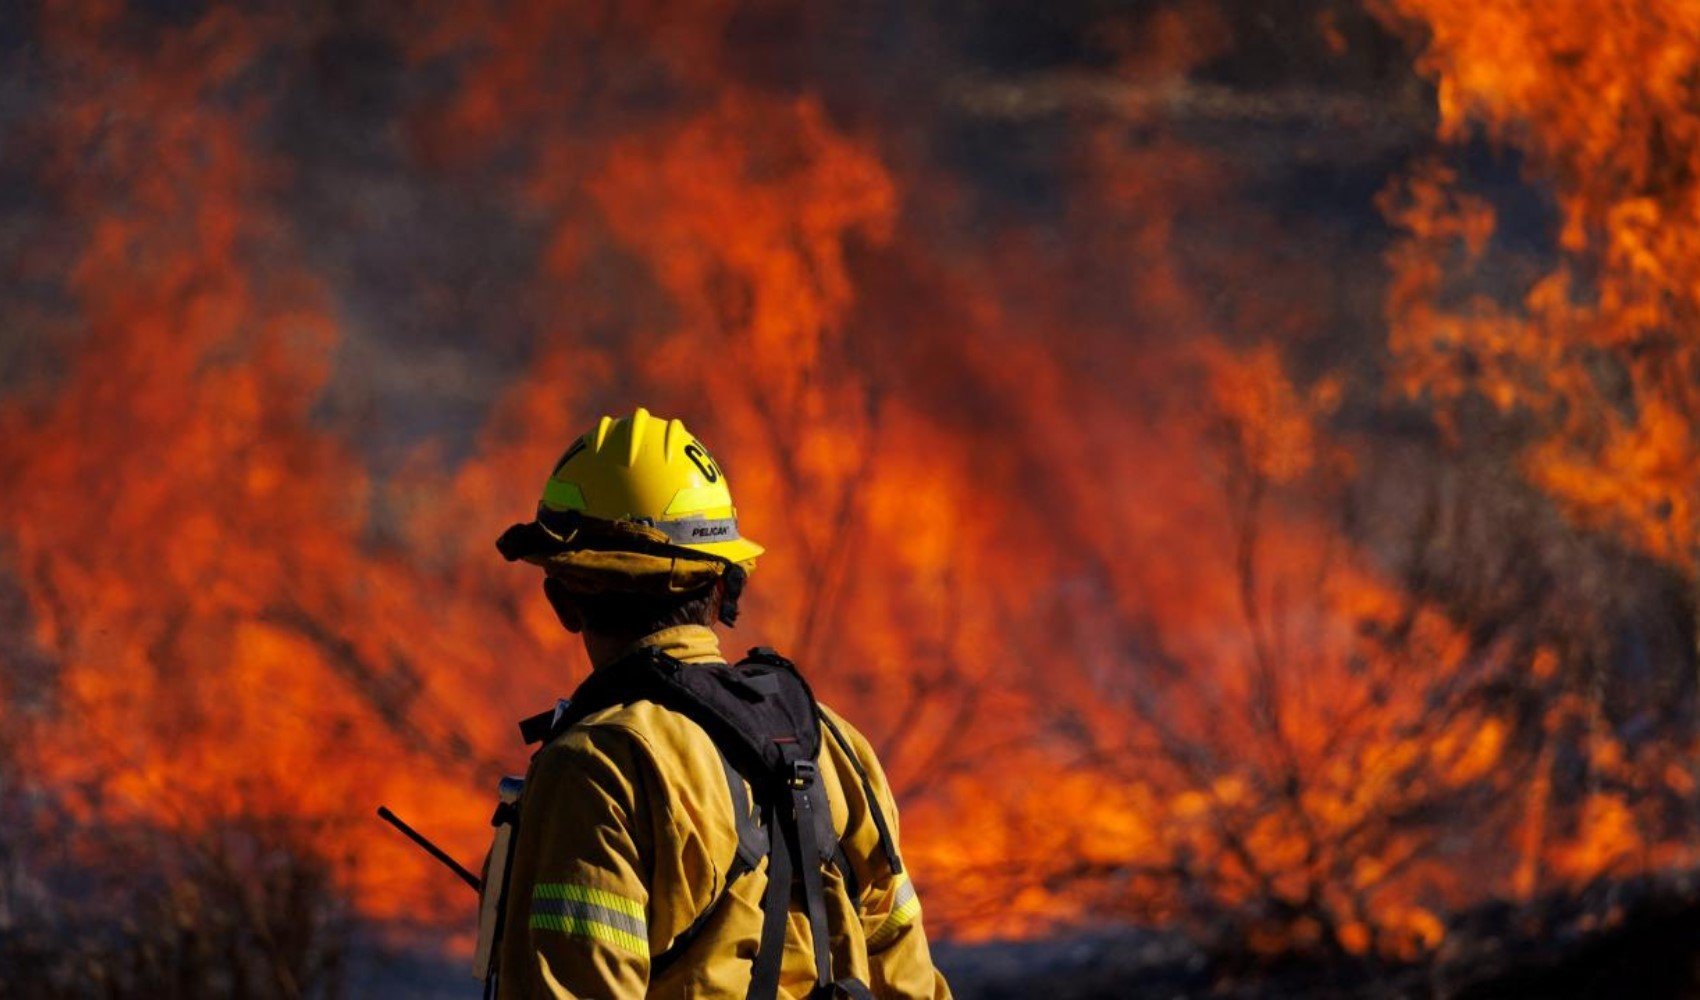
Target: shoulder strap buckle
{"points": [[803, 774]]}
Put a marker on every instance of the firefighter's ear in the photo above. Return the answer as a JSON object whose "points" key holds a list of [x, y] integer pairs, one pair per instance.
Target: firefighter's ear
{"points": [[561, 600]]}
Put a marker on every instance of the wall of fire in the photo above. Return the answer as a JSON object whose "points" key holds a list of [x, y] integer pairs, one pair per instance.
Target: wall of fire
{"points": [[1238, 462]]}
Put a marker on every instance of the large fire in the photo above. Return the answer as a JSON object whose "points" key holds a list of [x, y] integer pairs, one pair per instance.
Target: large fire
{"points": [[1071, 531]]}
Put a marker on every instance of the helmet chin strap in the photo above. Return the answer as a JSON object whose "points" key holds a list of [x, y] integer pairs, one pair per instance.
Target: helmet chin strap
{"points": [[731, 589]]}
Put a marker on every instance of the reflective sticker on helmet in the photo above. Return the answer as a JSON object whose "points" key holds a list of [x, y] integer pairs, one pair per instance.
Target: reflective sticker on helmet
{"points": [[559, 495], [700, 530]]}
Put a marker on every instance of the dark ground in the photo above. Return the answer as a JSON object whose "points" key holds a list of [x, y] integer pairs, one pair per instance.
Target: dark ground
{"points": [[1628, 940]]}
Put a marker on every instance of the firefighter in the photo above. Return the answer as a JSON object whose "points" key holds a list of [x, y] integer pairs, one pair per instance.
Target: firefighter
{"points": [[638, 866]]}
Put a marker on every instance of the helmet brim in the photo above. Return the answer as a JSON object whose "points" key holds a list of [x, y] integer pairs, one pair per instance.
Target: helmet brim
{"points": [[738, 550]]}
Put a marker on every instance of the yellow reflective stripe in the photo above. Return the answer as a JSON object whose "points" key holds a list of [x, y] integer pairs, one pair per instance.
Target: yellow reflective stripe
{"points": [[584, 927], [582, 911], [906, 907], [585, 894], [560, 495]]}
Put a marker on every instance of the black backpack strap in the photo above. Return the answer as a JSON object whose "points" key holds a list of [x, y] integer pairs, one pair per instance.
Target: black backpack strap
{"points": [[852, 884], [887, 843], [826, 838], [752, 847], [829, 845], [752, 839], [775, 907], [804, 777]]}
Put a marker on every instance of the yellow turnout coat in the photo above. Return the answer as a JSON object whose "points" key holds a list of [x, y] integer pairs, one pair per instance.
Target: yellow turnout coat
{"points": [[626, 836]]}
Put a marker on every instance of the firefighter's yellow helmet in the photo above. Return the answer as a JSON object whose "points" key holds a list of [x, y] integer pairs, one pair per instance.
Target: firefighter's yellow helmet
{"points": [[650, 470]]}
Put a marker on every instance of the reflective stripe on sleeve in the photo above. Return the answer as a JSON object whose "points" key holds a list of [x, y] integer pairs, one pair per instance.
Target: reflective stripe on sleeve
{"points": [[905, 908], [580, 911]]}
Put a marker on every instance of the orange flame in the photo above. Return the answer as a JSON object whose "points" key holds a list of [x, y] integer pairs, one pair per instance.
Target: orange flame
{"points": [[1598, 362]]}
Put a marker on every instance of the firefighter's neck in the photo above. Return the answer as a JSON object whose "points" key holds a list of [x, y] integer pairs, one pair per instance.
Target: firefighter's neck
{"points": [[690, 643]]}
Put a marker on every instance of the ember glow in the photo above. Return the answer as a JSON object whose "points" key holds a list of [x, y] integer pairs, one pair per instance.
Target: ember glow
{"points": [[1171, 542]]}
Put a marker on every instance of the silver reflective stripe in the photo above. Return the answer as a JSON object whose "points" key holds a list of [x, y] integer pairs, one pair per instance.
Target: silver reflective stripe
{"points": [[700, 530], [905, 907], [572, 909], [905, 893]]}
